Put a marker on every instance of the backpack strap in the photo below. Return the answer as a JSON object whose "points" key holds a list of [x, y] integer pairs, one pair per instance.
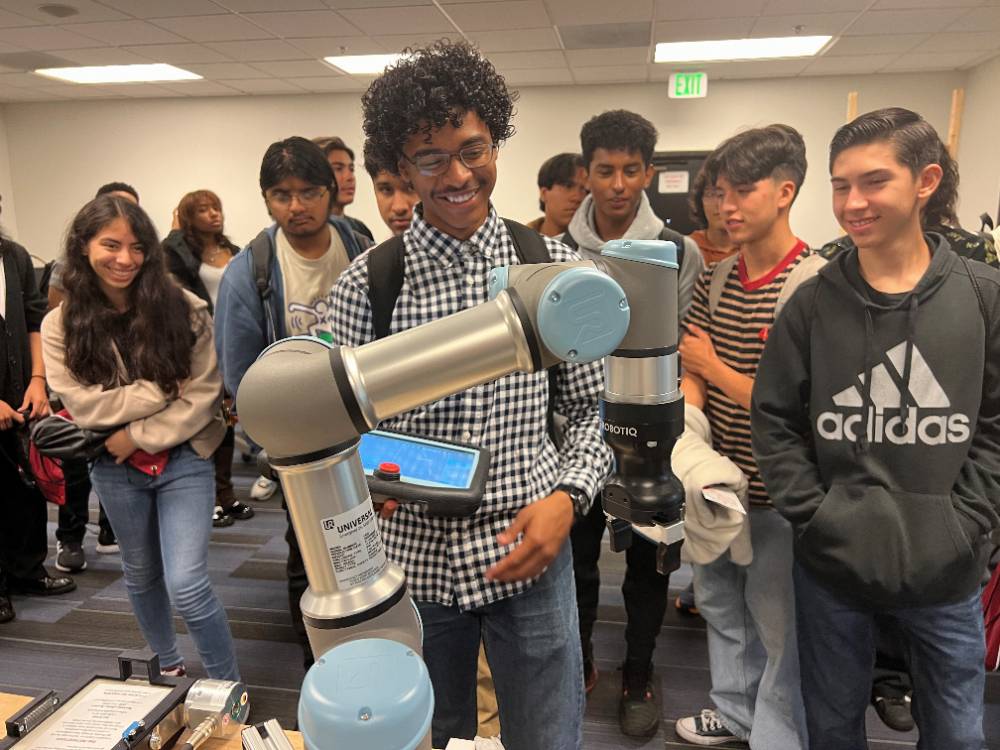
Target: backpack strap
{"points": [[385, 280], [717, 281], [261, 253], [528, 244], [804, 270], [669, 235], [569, 240], [979, 295]]}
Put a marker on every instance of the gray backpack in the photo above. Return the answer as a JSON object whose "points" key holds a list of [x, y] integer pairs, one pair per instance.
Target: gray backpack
{"points": [[803, 271]]}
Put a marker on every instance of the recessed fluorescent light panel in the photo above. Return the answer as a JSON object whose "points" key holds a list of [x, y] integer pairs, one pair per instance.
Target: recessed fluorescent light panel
{"points": [[363, 64], [119, 73], [740, 49]]}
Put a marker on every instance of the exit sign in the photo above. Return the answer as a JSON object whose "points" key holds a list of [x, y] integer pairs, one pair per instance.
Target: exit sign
{"points": [[688, 85]]}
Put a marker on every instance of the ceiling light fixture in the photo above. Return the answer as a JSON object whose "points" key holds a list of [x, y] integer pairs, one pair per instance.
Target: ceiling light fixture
{"points": [[740, 49], [360, 65], [119, 73]]}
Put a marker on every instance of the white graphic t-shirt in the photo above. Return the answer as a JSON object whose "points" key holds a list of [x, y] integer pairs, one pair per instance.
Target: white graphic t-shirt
{"points": [[308, 284]]}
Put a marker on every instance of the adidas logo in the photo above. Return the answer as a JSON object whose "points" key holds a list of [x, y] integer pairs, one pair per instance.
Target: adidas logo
{"points": [[928, 422]]}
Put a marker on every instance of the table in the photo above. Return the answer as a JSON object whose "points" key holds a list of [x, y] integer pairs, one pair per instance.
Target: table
{"points": [[10, 704]]}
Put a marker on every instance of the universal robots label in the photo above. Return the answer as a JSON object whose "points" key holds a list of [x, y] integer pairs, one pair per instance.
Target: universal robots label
{"points": [[355, 546]]}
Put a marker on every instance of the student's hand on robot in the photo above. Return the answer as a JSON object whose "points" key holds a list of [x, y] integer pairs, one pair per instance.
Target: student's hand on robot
{"points": [[544, 524], [386, 509], [9, 416], [120, 445], [698, 353], [36, 400]]}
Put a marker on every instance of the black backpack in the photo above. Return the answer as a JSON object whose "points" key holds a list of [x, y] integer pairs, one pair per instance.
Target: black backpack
{"points": [[385, 280]]}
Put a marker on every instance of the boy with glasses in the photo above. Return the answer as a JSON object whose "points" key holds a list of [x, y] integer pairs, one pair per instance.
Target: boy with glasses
{"points": [[504, 575], [279, 285]]}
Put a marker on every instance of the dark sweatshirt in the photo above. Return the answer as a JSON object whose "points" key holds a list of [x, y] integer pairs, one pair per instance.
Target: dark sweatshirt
{"points": [[876, 427]]}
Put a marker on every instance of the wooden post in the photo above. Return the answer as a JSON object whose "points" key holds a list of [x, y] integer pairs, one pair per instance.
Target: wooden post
{"points": [[955, 121], [852, 105]]}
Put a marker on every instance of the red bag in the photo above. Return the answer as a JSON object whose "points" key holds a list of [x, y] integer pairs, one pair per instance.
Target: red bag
{"points": [[48, 474], [991, 616]]}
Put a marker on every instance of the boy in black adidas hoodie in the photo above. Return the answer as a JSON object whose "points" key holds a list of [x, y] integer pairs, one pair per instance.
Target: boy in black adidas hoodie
{"points": [[877, 432]]}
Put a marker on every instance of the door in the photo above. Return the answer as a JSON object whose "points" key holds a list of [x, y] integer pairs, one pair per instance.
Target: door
{"points": [[668, 192]]}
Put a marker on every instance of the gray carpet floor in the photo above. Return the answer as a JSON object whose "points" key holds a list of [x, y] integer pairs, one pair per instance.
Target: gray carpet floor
{"points": [[58, 641]]}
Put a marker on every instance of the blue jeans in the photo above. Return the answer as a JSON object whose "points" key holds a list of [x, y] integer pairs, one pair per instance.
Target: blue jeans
{"points": [[750, 614], [532, 644], [944, 646], [163, 524]]}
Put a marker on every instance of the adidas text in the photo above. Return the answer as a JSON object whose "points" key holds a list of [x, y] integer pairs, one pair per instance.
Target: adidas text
{"points": [[932, 429]]}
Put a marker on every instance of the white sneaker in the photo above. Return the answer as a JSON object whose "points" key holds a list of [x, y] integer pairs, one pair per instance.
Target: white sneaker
{"points": [[705, 729], [263, 488]]}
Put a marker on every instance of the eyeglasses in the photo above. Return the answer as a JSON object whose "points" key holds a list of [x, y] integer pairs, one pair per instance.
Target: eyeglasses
{"points": [[307, 197], [437, 162]]}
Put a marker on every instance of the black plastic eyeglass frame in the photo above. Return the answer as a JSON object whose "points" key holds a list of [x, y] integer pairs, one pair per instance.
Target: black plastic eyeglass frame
{"points": [[491, 150]]}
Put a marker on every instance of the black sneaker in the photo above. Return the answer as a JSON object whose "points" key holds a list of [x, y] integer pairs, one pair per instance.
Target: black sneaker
{"points": [[6, 609], [45, 586], [220, 519], [70, 557], [239, 511], [106, 542], [704, 729], [638, 709], [894, 711]]}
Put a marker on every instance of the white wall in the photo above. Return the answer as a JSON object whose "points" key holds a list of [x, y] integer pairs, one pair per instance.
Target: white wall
{"points": [[979, 145], [61, 152], [8, 218]]}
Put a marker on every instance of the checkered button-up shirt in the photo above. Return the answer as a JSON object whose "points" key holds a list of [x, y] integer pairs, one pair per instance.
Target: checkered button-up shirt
{"points": [[446, 559]]}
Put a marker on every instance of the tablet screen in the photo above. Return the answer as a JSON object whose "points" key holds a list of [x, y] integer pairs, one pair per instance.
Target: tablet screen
{"points": [[421, 461]]}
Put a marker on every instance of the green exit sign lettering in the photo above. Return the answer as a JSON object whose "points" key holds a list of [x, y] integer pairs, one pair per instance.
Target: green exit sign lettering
{"points": [[688, 85]]}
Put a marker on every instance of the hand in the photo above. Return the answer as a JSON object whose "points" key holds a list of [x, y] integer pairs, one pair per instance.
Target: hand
{"points": [[36, 400], [387, 508], [9, 417], [544, 524], [120, 445], [698, 353]]}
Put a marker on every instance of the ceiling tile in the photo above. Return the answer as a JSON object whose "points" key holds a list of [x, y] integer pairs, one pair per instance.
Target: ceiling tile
{"points": [[539, 77], [788, 7], [811, 24], [262, 6], [733, 70], [848, 64], [895, 4], [29, 95], [213, 28], [87, 11], [264, 86], [332, 83], [27, 80], [201, 88], [583, 58], [347, 4], [514, 41], [904, 21], [609, 73], [343, 45], [140, 90], [219, 71], [409, 20], [178, 54], [875, 44], [259, 50], [45, 38], [160, 9], [104, 56], [979, 19], [518, 60], [598, 11], [296, 69], [399, 42], [691, 31], [687, 10], [80, 91], [125, 32], [959, 42], [518, 14], [940, 61], [305, 23], [12, 19]]}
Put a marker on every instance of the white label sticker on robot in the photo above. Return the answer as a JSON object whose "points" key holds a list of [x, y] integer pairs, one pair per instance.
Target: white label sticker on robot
{"points": [[355, 546]]}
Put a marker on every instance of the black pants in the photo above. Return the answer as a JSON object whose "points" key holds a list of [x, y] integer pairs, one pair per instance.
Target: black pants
{"points": [[223, 458], [23, 515], [74, 515], [644, 590], [891, 676], [297, 585]]}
